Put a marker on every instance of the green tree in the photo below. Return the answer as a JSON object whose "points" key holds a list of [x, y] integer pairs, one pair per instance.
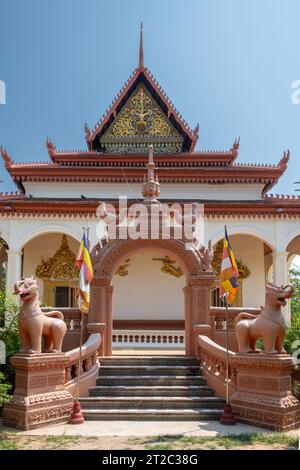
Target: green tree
{"points": [[9, 334], [293, 332], [4, 389]]}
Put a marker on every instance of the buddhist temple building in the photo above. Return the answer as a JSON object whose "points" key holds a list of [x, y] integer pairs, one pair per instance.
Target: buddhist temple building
{"points": [[41, 223]]}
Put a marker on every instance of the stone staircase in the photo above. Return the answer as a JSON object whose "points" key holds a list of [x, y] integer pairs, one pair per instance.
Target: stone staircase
{"points": [[151, 388]]}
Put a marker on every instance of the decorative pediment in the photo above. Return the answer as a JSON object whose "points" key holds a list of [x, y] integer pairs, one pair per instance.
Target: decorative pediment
{"points": [[140, 123], [60, 266]]}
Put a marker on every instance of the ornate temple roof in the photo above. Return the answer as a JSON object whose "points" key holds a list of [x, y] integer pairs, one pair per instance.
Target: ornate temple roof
{"points": [[141, 115]]}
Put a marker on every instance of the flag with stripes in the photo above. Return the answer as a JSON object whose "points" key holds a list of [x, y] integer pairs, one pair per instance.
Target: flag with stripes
{"points": [[84, 265], [229, 272]]}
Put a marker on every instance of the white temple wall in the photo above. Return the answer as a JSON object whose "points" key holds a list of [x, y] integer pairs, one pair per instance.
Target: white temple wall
{"points": [[133, 190], [17, 231], [147, 293]]}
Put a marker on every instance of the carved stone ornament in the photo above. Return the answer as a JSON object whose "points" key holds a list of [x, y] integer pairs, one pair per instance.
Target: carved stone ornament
{"points": [[40, 398]]}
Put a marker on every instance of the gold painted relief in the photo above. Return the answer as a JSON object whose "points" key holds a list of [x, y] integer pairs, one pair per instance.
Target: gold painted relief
{"points": [[168, 266], [123, 269]]}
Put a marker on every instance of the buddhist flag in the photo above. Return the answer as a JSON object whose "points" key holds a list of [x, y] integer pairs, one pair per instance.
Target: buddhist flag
{"points": [[229, 272], [84, 264]]}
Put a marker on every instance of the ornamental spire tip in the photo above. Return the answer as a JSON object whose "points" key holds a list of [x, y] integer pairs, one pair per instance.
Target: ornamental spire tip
{"points": [[141, 51]]}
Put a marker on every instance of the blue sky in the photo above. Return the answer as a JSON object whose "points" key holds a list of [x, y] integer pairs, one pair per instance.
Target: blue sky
{"points": [[228, 65]]}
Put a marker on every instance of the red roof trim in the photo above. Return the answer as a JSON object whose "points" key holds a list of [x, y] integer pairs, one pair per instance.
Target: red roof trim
{"points": [[262, 208]]}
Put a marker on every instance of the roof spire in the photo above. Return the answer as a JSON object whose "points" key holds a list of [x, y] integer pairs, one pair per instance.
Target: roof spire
{"points": [[141, 52], [151, 186]]}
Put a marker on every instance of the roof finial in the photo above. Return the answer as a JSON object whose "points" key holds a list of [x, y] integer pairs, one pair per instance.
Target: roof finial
{"points": [[151, 186], [141, 53]]}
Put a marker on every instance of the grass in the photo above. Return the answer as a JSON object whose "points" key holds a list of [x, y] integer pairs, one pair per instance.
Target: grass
{"points": [[230, 441], [55, 442], [270, 441], [6, 443]]}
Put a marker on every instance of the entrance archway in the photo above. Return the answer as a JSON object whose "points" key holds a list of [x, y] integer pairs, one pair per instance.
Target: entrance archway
{"points": [[148, 303], [196, 292]]}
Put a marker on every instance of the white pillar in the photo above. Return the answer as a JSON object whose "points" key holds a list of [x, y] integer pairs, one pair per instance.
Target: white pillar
{"points": [[13, 268], [280, 268], [281, 277]]}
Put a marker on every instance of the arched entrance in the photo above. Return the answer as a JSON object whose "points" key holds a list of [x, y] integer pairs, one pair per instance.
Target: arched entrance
{"points": [[148, 303], [254, 258], [196, 292], [51, 258]]}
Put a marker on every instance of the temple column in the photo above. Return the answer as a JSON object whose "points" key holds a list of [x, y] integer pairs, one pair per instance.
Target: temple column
{"points": [[100, 314], [109, 321], [280, 268], [281, 276], [197, 312], [14, 266]]}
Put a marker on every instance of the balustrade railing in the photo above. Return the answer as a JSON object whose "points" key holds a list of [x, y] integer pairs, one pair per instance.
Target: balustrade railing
{"points": [[218, 316], [88, 366], [213, 363], [148, 339]]}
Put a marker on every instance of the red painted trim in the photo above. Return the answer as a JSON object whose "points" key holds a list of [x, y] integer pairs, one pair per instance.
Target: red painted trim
{"points": [[278, 208]]}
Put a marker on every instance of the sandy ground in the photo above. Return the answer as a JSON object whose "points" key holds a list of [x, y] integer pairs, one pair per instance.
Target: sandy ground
{"points": [[22, 442], [140, 428], [147, 435]]}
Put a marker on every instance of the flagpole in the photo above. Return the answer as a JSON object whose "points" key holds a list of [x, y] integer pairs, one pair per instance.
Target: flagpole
{"points": [[227, 417], [76, 415], [227, 353]]}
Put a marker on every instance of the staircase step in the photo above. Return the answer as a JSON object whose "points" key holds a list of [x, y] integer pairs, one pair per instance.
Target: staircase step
{"points": [[151, 391], [151, 388], [149, 360], [146, 403], [150, 380], [152, 414], [149, 370]]}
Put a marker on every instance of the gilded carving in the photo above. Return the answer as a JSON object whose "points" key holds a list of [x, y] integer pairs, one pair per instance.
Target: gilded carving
{"points": [[60, 266], [123, 269], [168, 266], [139, 123]]}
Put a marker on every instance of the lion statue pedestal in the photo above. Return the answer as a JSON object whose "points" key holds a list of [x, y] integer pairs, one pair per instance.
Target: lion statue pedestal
{"points": [[40, 397], [263, 394]]}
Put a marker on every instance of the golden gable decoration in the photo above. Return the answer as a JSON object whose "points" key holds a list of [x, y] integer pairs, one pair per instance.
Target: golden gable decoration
{"points": [[141, 122], [60, 266]]}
